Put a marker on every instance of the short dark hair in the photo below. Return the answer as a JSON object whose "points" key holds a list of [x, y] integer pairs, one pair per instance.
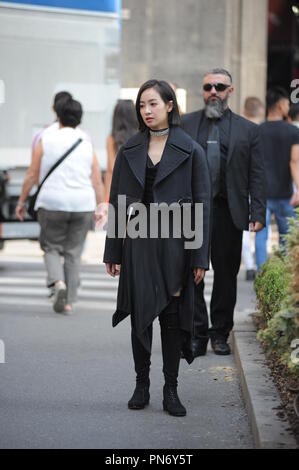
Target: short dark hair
{"points": [[60, 98], [167, 94], [219, 71], [294, 112], [274, 95], [252, 106], [70, 113]]}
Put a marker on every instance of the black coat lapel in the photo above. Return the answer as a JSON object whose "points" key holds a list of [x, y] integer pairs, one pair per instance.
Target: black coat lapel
{"points": [[135, 151], [191, 123], [177, 149]]}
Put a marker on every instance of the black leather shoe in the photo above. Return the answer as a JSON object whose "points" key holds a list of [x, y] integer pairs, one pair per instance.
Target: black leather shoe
{"points": [[220, 347], [199, 347], [171, 401], [140, 398], [194, 348]]}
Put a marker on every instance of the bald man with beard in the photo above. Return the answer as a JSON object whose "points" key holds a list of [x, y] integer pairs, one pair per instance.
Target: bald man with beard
{"points": [[234, 153]]}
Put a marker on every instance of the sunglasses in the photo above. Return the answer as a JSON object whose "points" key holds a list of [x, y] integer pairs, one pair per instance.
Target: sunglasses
{"points": [[217, 86]]}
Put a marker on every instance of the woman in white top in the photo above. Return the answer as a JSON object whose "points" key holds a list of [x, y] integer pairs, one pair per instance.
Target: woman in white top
{"points": [[66, 202]]}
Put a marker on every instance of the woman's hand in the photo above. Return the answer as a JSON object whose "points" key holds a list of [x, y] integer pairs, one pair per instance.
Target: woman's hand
{"points": [[100, 215], [295, 199], [199, 274], [20, 211], [31, 178], [113, 269], [256, 226]]}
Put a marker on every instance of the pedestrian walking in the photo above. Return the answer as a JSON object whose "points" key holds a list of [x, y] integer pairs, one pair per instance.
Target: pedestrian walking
{"points": [[254, 111], [280, 142], [160, 164], [59, 100], [235, 159], [66, 202], [124, 125]]}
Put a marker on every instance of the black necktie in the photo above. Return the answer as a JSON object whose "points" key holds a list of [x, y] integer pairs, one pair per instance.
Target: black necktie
{"points": [[213, 155]]}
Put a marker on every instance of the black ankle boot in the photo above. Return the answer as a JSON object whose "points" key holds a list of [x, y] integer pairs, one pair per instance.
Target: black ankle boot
{"points": [[171, 401], [140, 397]]}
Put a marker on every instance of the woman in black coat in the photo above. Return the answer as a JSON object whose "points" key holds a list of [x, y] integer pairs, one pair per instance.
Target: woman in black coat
{"points": [[160, 164]]}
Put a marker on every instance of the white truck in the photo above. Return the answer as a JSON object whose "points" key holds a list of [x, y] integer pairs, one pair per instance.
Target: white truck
{"points": [[48, 46]]}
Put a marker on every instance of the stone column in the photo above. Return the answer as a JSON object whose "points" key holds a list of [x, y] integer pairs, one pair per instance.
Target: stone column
{"points": [[246, 49], [254, 42]]}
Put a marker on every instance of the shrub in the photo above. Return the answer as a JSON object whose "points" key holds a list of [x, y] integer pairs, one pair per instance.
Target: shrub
{"points": [[277, 290], [292, 240], [278, 336], [271, 286]]}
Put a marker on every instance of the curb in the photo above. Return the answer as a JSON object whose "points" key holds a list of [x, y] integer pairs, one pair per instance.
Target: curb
{"points": [[262, 399]]}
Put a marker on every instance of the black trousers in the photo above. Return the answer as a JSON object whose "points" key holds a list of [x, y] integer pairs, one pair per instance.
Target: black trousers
{"points": [[171, 347], [226, 248]]}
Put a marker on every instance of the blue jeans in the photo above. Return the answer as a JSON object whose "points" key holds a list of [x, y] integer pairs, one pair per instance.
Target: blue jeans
{"points": [[282, 210]]}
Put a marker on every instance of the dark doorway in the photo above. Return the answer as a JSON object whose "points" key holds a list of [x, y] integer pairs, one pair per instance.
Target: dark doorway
{"points": [[283, 42]]}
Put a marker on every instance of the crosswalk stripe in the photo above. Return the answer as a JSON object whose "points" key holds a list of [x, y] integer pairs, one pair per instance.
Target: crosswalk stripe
{"points": [[94, 282], [43, 292], [97, 291], [80, 305], [84, 276], [38, 282]]}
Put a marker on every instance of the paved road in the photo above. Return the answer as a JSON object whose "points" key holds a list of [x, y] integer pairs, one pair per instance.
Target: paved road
{"points": [[66, 380]]}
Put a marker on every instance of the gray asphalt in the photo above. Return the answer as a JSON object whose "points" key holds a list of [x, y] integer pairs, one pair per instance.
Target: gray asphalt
{"points": [[66, 380]]}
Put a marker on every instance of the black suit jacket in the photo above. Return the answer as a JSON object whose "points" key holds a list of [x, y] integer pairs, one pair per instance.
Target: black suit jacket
{"points": [[245, 173], [182, 174]]}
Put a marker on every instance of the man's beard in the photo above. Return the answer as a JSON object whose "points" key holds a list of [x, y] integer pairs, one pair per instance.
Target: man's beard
{"points": [[214, 109]]}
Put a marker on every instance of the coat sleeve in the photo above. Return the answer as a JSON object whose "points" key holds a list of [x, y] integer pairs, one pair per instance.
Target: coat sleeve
{"points": [[201, 190], [257, 178], [113, 245]]}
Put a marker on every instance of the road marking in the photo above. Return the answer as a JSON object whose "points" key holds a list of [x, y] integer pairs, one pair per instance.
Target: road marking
{"points": [[2, 352], [80, 305], [97, 291], [25, 281]]}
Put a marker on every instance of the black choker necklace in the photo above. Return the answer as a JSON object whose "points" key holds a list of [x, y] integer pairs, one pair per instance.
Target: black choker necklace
{"points": [[160, 132]]}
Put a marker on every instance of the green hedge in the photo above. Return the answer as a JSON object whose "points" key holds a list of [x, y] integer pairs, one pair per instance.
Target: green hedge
{"points": [[272, 286], [277, 291]]}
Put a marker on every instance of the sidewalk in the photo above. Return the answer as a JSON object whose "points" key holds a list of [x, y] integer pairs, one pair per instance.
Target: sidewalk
{"points": [[262, 399]]}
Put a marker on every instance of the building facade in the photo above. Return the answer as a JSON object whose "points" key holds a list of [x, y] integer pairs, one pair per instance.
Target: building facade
{"points": [[179, 40]]}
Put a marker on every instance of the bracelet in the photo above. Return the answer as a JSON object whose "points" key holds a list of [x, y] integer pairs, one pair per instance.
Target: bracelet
{"points": [[21, 204]]}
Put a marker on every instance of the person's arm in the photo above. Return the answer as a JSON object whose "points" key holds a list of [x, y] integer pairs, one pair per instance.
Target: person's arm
{"points": [[100, 215], [31, 178], [111, 155], [97, 182], [113, 246], [257, 182], [294, 164], [201, 191]]}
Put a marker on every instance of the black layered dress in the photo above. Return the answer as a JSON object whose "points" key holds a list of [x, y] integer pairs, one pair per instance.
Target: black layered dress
{"points": [[153, 270]]}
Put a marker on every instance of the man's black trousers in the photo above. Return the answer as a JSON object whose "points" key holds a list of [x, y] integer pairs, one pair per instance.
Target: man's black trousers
{"points": [[226, 248]]}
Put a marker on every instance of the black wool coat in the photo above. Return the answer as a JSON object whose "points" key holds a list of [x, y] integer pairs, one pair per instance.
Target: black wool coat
{"points": [[245, 173], [182, 176]]}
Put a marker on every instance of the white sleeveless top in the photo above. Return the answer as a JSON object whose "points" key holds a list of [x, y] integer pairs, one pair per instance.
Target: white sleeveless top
{"points": [[69, 187]]}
